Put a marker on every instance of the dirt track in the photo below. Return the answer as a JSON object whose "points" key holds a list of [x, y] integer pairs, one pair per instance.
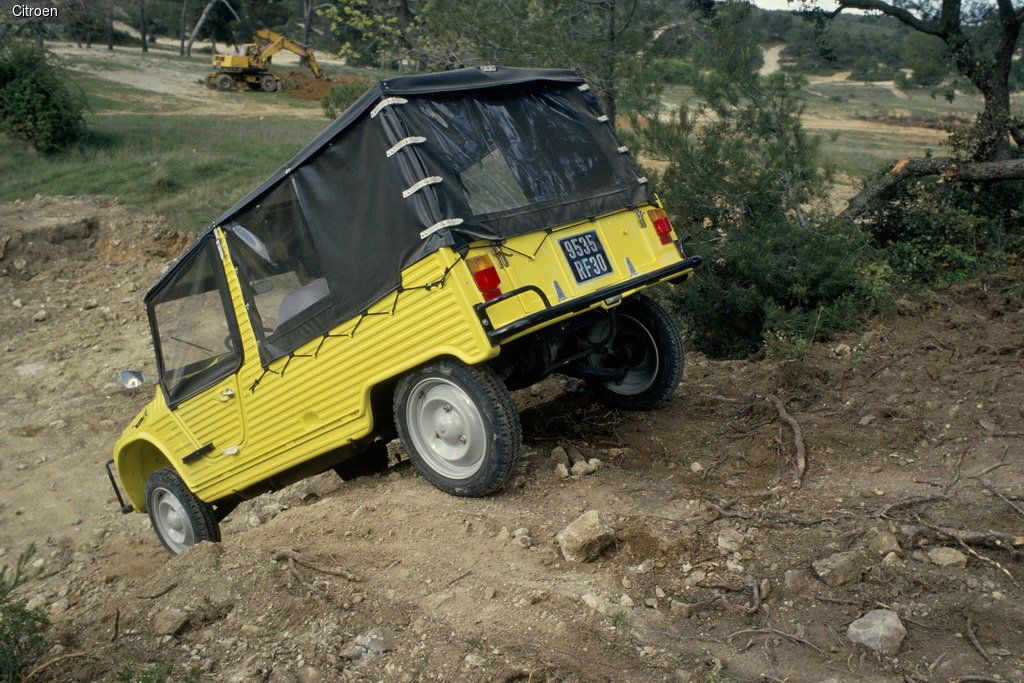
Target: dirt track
{"points": [[698, 493]]}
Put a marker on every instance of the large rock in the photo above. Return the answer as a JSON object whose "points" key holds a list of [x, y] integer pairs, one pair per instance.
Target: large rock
{"points": [[880, 629], [840, 568], [586, 538]]}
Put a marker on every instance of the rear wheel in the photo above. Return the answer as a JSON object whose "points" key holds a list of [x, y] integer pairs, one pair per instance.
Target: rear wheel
{"points": [[460, 427], [268, 83], [179, 518], [224, 82], [647, 346]]}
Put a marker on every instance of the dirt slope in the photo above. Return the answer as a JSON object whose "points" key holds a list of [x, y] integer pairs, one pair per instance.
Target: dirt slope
{"points": [[712, 572]]}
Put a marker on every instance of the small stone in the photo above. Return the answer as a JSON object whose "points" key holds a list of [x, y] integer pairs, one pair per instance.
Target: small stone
{"points": [[840, 568], [892, 560], [794, 582], [596, 603], [17, 303], [40, 316], [947, 557], [351, 650], [58, 606], [576, 456], [504, 536], [595, 464], [658, 592], [881, 541], [643, 568], [474, 661], [170, 622], [521, 531], [626, 601], [377, 640], [696, 467], [581, 468], [651, 602], [626, 583], [880, 630], [561, 471], [730, 540], [586, 538], [695, 577], [560, 457]]}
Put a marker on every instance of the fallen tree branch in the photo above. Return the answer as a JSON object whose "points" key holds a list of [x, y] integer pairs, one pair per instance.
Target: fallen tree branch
{"points": [[974, 641], [70, 655], [985, 539], [798, 440], [947, 167], [778, 632], [1017, 508], [335, 571]]}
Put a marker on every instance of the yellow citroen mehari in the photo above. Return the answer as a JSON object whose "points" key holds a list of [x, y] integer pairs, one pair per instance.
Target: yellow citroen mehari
{"points": [[448, 238]]}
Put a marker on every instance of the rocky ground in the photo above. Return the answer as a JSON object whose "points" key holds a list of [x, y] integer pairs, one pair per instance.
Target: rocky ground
{"points": [[897, 557]]}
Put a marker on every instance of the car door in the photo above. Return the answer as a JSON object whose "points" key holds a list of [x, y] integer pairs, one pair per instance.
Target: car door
{"points": [[199, 353]]}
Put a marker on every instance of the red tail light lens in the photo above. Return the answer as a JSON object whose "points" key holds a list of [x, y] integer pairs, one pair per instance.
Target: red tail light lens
{"points": [[486, 276], [662, 226]]}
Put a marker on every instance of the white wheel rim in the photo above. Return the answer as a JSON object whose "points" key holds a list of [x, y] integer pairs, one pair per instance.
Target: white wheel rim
{"points": [[641, 374], [447, 428], [172, 520]]}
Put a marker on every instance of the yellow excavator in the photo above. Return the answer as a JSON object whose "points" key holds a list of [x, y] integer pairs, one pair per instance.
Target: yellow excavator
{"points": [[252, 66]]}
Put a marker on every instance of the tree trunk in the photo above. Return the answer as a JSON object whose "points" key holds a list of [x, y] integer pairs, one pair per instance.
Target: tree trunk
{"points": [[142, 25], [110, 25], [307, 16], [199, 25], [608, 87], [184, 16], [948, 168]]}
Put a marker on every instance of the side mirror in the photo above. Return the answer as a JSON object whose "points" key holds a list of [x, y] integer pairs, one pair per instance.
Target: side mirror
{"points": [[131, 379]]}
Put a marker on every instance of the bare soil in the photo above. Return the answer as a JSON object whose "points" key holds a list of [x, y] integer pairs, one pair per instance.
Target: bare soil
{"points": [[911, 426]]}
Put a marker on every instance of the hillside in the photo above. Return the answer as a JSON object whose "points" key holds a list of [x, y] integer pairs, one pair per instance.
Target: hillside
{"points": [[910, 426]]}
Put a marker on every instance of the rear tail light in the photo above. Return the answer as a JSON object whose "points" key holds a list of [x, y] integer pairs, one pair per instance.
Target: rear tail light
{"points": [[662, 226], [486, 276]]}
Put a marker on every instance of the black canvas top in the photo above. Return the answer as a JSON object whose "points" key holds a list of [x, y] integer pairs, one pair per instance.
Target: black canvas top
{"points": [[416, 164]]}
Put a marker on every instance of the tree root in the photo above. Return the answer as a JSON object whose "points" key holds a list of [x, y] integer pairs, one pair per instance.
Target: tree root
{"points": [[332, 571], [798, 440]]}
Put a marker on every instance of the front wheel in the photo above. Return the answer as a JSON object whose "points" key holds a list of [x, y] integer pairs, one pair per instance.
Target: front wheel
{"points": [[460, 427], [224, 83], [268, 83], [179, 518], [644, 344]]}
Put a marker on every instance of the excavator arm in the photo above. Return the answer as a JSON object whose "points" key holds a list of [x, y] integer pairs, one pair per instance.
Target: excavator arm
{"points": [[269, 43]]}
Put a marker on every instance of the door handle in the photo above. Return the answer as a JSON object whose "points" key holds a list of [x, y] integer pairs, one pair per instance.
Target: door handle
{"points": [[226, 394]]}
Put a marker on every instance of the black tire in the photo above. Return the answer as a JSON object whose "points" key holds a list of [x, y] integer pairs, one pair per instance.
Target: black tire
{"points": [[460, 427], [268, 84], [648, 344], [224, 82], [179, 519]]}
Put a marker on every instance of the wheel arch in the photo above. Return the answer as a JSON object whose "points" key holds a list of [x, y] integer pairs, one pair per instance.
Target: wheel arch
{"points": [[135, 461]]}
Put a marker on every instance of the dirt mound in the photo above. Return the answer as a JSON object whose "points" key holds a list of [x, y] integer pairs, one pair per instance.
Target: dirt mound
{"points": [[304, 86], [720, 567]]}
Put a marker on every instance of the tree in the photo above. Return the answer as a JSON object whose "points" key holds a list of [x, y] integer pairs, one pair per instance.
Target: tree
{"points": [[605, 40], [35, 104], [743, 178], [202, 19], [143, 27], [367, 31], [981, 38]]}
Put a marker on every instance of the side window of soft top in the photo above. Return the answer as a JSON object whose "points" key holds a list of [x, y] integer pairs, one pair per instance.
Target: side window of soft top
{"points": [[194, 326]]}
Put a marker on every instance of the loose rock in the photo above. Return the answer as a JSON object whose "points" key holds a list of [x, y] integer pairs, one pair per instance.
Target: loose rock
{"points": [[881, 541], [880, 630], [840, 568], [730, 540], [947, 557], [170, 622], [560, 457], [586, 538]]}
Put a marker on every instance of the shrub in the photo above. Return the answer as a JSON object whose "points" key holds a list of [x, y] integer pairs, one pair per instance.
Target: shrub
{"points": [[743, 177], [35, 104], [22, 630], [934, 234], [341, 96]]}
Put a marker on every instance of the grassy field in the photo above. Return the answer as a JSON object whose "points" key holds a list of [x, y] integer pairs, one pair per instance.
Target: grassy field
{"points": [[185, 166]]}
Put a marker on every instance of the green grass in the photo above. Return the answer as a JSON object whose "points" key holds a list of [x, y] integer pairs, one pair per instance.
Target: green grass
{"points": [[187, 168]]}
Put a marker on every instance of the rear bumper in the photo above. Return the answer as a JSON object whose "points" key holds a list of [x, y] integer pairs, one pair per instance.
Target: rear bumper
{"points": [[575, 305]]}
